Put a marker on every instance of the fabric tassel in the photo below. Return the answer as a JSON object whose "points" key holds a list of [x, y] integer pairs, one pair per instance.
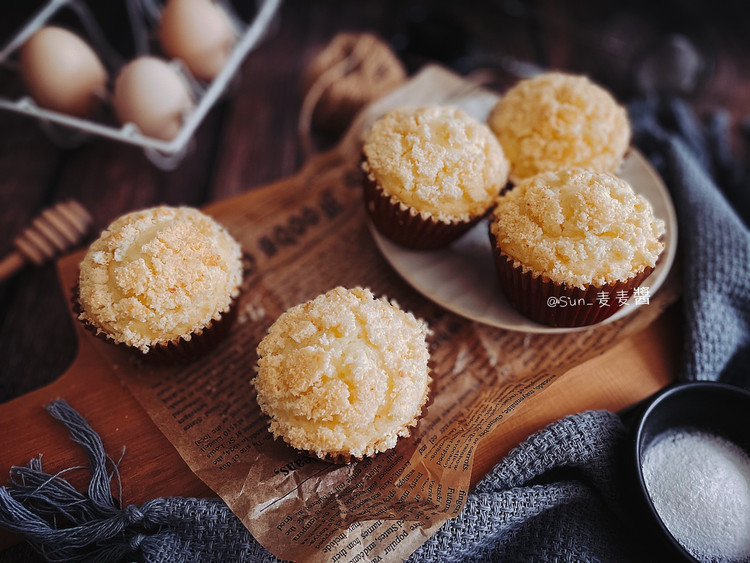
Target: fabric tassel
{"points": [[65, 525], [62, 523]]}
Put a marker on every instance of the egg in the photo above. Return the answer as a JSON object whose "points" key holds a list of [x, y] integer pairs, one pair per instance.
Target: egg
{"points": [[61, 72], [153, 95], [199, 33]]}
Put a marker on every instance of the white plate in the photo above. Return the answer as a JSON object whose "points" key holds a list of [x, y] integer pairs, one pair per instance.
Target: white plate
{"points": [[462, 277]]}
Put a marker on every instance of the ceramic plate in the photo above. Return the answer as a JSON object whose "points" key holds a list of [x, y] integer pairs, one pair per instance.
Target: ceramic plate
{"points": [[462, 277]]}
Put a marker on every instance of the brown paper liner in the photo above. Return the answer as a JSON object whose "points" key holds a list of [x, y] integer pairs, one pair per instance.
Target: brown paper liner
{"points": [[178, 351], [407, 227], [183, 351], [558, 304]]}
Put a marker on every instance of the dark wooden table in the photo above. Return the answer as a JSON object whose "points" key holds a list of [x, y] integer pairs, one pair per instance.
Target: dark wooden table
{"points": [[250, 137]]}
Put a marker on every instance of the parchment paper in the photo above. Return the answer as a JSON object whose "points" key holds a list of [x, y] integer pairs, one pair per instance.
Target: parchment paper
{"points": [[302, 237]]}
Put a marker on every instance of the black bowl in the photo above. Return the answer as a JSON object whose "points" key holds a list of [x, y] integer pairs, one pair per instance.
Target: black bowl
{"points": [[715, 408]]}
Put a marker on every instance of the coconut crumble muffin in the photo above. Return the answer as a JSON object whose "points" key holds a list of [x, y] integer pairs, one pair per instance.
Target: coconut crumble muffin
{"points": [[557, 120], [159, 277], [430, 173], [577, 231], [344, 375]]}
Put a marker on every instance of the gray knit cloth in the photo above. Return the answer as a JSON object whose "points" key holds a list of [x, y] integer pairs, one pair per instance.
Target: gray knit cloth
{"points": [[556, 497]]}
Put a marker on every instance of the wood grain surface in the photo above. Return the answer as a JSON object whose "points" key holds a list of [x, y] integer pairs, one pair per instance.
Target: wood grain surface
{"points": [[249, 139]]}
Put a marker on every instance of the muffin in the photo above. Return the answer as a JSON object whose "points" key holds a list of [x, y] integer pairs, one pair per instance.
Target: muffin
{"points": [[430, 174], [344, 375], [162, 282], [571, 246], [557, 120]]}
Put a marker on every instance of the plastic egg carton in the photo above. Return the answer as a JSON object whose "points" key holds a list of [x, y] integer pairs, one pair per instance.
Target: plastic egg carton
{"points": [[67, 130]]}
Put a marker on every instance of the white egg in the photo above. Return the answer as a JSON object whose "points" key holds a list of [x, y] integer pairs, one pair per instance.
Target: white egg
{"points": [[152, 95], [61, 71], [199, 33]]}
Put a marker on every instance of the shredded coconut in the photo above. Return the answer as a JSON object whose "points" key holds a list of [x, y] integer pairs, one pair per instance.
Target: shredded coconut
{"points": [[158, 275], [557, 120], [344, 374], [437, 160], [578, 227], [699, 484]]}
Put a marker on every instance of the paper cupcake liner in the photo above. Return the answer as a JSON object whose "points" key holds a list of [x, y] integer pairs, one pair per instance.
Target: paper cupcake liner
{"points": [[184, 351], [178, 351], [345, 458], [558, 304], [407, 227]]}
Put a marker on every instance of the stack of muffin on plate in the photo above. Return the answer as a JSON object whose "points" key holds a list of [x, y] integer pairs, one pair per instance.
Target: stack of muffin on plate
{"points": [[571, 240]]}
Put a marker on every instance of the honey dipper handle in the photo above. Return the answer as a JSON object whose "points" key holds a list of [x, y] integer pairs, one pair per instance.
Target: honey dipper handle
{"points": [[11, 264], [54, 231]]}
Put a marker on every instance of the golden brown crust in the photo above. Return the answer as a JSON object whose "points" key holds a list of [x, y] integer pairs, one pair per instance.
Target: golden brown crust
{"points": [[558, 120], [343, 375], [578, 227], [437, 160], [159, 275]]}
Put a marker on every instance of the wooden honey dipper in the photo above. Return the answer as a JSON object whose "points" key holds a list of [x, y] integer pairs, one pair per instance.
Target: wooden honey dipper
{"points": [[54, 231]]}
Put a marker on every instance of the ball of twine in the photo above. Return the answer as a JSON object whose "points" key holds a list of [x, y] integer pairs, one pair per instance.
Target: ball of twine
{"points": [[350, 72]]}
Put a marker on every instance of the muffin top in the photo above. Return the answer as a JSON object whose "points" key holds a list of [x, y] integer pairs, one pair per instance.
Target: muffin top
{"points": [[159, 274], [557, 120], [343, 375], [437, 160], [578, 227]]}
